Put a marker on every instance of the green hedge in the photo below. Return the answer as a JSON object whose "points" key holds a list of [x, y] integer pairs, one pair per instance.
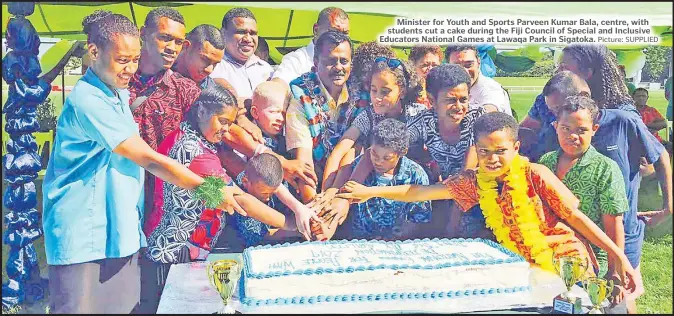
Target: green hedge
{"points": [[545, 69]]}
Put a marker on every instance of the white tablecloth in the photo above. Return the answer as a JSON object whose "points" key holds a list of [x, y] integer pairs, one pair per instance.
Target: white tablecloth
{"points": [[188, 291]]}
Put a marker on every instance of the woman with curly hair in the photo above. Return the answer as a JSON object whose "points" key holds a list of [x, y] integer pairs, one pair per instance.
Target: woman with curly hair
{"points": [[93, 188], [424, 58], [598, 66]]}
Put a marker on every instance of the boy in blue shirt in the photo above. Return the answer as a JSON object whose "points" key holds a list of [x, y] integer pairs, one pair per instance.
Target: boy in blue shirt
{"points": [[387, 219], [262, 177]]}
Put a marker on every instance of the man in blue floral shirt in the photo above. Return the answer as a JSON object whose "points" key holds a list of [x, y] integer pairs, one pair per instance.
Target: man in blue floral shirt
{"points": [[387, 219], [320, 111]]}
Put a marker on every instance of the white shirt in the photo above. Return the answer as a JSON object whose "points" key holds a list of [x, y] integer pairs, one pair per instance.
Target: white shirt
{"points": [[243, 77], [296, 63], [487, 91]]}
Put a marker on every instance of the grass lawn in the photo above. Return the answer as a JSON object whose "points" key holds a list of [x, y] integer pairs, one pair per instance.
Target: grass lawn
{"points": [[656, 269], [656, 263]]}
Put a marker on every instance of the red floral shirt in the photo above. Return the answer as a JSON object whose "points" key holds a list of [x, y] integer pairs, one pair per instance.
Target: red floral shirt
{"points": [[161, 113], [650, 114], [553, 202]]}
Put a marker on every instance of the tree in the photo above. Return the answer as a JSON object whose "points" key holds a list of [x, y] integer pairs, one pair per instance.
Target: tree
{"points": [[543, 68], [73, 63], [46, 115], [657, 59]]}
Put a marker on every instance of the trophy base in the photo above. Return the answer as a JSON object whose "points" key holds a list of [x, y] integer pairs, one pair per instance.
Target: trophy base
{"points": [[561, 305]]}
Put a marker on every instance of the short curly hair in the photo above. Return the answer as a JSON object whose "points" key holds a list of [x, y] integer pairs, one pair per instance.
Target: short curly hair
{"points": [[419, 51], [206, 33], [493, 122], [445, 76], [234, 13], [153, 17], [459, 48], [576, 103], [331, 38], [102, 26], [406, 79], [391, 133], [330, 13], [363, 62], [265, 167], [565, 83]]}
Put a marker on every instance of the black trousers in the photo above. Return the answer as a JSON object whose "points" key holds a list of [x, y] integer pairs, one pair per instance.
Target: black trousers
{"points": [[153, 278]]}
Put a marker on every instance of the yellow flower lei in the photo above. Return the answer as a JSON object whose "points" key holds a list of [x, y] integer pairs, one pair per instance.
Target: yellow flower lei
{"points": [[524, 212]]}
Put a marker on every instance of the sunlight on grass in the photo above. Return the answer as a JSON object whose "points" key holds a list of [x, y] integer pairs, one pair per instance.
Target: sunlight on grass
{"points": [[656, 269]]}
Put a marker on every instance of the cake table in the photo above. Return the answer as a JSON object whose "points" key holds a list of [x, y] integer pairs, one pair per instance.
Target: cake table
{"points": [[189, 291]]}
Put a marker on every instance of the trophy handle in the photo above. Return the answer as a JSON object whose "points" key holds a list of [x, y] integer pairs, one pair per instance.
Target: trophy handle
{"points": [[586, 285], [555, 263], [211, 274], [581, 267], [609, 288]]}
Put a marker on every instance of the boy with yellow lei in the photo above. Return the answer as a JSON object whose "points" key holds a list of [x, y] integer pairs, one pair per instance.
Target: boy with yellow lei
{"points": [[529, 210]]}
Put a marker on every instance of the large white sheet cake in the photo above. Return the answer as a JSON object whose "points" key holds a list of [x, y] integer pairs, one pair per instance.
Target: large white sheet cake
{"points": [[372, 273]]}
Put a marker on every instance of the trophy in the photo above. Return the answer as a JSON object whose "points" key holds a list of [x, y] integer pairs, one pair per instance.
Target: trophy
{"points": [[571, 269], [223, 275], [598, 289]]}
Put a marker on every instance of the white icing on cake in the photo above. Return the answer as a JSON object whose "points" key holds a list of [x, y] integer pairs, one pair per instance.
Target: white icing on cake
{"points": [[293, 273]]}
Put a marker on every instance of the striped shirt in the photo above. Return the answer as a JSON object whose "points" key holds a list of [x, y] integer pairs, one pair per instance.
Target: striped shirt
{"points": [[423, 129]]}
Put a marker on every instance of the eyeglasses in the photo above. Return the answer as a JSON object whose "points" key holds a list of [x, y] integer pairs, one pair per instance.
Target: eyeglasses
{"points": [[393, 63]]}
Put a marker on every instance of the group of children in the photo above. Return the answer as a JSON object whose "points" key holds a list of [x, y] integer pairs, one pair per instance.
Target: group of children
{"points": [[399, 150], [571, 203]]}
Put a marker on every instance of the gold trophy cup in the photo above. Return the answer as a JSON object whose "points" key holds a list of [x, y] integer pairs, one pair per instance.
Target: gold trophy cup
{"points": [[598, 289], [223, 275], [571, 269]]}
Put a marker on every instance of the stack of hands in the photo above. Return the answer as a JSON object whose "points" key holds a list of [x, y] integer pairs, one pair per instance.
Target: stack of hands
{"points": [[316, 220]]}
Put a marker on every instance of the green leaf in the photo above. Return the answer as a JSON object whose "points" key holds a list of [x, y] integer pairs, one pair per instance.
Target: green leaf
{"points": [[54, 55], [210, 192]]}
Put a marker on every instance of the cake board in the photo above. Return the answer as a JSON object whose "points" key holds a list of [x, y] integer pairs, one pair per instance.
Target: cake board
{"points": [[544, 287]]}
